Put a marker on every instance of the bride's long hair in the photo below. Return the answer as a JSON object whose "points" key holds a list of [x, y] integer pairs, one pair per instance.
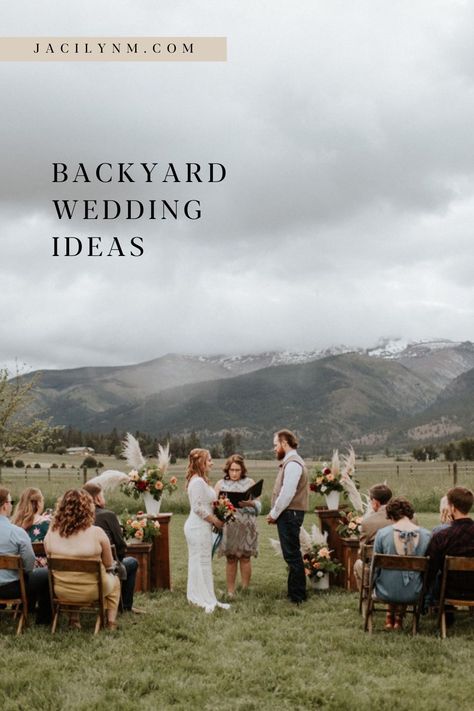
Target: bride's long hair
{"points": [[197, 464]]}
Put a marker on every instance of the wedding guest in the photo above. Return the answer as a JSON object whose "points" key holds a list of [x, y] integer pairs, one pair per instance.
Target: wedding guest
{"points": [[289, 503], [29, 514], [15, 541], [240, 537], [445, 517], [379, 496], [108, 521], [402, 537], [456, 539], [198, 531], [73, 535]]}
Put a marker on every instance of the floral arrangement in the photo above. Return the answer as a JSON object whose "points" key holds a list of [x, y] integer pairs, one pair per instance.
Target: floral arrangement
{"points": [[139, 527], [350, 527], [337, 478], [325, 480], [318, 561], [224, 510], [151, 478]]}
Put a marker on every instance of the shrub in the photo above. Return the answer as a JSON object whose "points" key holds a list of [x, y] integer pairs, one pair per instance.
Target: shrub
{"points": [[9, 463], [90, 462], [19, 464], [54, 466], [63, 466], [37, 466], [60, 450]]}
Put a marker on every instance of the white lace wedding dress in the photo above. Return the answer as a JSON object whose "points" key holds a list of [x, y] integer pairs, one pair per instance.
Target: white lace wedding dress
{"points": [[198, 534]]}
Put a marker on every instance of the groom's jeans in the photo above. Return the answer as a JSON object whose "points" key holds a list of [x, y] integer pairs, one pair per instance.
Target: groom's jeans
{"points": [[289, 524]]}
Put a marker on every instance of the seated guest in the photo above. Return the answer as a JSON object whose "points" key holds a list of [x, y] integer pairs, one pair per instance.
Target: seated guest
{"points": [[379, 496], [15, 541], [444, 515], [109, 522], [73, 535], [402, 537], [457, 539], [29, 514]]}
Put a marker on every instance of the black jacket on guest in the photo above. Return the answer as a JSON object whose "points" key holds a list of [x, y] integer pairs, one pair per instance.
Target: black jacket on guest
{"points": [[109, 522]]}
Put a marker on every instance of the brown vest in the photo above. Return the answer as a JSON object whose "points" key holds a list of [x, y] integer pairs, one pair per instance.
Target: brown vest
{"points": [[300, 500]]}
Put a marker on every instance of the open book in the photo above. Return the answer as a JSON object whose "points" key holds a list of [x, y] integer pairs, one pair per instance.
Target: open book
{"points": [[236, 496]]}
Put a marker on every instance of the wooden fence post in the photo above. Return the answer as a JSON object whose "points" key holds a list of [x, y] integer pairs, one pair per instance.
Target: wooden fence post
{"points": [[84, 475], [455, 473], [0, 475]]}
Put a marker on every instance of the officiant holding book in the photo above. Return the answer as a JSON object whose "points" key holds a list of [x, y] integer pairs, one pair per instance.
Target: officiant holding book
{"points": [[240, 537]]}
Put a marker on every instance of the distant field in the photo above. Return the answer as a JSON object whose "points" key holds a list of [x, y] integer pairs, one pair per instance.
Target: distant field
{"points": [[422, 482]]}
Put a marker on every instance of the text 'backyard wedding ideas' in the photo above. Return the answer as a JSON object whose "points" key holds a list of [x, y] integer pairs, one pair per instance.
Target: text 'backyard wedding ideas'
{"points": [[133, 209]]}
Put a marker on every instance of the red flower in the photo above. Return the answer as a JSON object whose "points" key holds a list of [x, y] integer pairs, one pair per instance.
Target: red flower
{"points": [[141, 485]]}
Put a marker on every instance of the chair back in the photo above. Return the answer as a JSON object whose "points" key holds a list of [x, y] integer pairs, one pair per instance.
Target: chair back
{"points": [[38, 549], [14, 562], [458, 565], [11, 562], [366, 552], [414, 563], [76, 565]]}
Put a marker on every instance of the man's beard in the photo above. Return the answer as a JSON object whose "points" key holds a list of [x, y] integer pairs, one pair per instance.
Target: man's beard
{"points": [[280, 454]]}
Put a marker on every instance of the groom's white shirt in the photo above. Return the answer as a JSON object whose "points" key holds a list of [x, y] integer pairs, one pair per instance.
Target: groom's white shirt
{"points": [[293, 471]]}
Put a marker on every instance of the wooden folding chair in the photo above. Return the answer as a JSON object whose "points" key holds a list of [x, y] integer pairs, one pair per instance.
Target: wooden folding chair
{"points": [[38, 549], [366, 553], [19, 605], [454, 564], [58, 604], [410, 563]]}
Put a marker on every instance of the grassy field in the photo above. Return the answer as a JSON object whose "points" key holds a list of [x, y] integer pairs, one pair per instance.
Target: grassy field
{"points": [[261, 654]]}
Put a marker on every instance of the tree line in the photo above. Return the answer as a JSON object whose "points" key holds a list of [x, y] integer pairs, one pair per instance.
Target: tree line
{"points": [[463, 449]]}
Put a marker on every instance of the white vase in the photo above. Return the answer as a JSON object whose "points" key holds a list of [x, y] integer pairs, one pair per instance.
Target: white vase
{"points": [[320, 583], [332, 500], [152, 505], [133, 541]]}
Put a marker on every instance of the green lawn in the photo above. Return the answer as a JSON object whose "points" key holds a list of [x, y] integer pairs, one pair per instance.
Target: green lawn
{"points": [[262, 654]]}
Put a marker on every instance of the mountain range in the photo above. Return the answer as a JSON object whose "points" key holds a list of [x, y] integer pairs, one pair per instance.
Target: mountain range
{"points": [[393, 393]]}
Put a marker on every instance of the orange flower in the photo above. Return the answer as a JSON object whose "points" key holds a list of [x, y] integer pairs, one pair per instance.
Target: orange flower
{"points": [[139, 534], [159, 485], [173, 481]]}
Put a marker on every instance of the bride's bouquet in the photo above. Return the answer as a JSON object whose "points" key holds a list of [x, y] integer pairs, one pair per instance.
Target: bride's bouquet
{"points": [[223, 510]]}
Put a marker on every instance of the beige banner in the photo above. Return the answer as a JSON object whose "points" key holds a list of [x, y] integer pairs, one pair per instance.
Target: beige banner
{"points": [[113, 49]]}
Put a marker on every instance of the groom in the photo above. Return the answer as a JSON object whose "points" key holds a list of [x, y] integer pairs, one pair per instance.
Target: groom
{"points": [[289, 503]]}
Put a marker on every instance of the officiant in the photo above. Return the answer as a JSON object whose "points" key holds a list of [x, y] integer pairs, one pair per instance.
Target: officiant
{"points": [[240, 537]]}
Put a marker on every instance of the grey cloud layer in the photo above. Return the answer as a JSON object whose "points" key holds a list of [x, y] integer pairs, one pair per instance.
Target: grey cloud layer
{"points": [[346, 213]]}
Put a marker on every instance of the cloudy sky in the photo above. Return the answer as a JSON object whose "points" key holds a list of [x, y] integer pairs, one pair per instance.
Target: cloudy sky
{"points": [[348, 209]]}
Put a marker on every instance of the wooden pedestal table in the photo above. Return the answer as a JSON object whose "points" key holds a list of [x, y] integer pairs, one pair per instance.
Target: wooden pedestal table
{"points": [[160, 555], [350, 553], [142, 552], [330, 520]]}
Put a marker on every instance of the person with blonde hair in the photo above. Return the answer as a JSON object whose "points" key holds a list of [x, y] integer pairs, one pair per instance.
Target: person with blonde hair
{"points": [[73, 535], [28, 514], [198, 531]]}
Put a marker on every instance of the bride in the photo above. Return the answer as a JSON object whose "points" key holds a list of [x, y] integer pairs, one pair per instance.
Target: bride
{"points": [[198, 531]]}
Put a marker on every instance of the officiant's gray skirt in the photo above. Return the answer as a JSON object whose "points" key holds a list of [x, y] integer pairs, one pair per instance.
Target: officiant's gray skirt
{"points": [[240, 538]]}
